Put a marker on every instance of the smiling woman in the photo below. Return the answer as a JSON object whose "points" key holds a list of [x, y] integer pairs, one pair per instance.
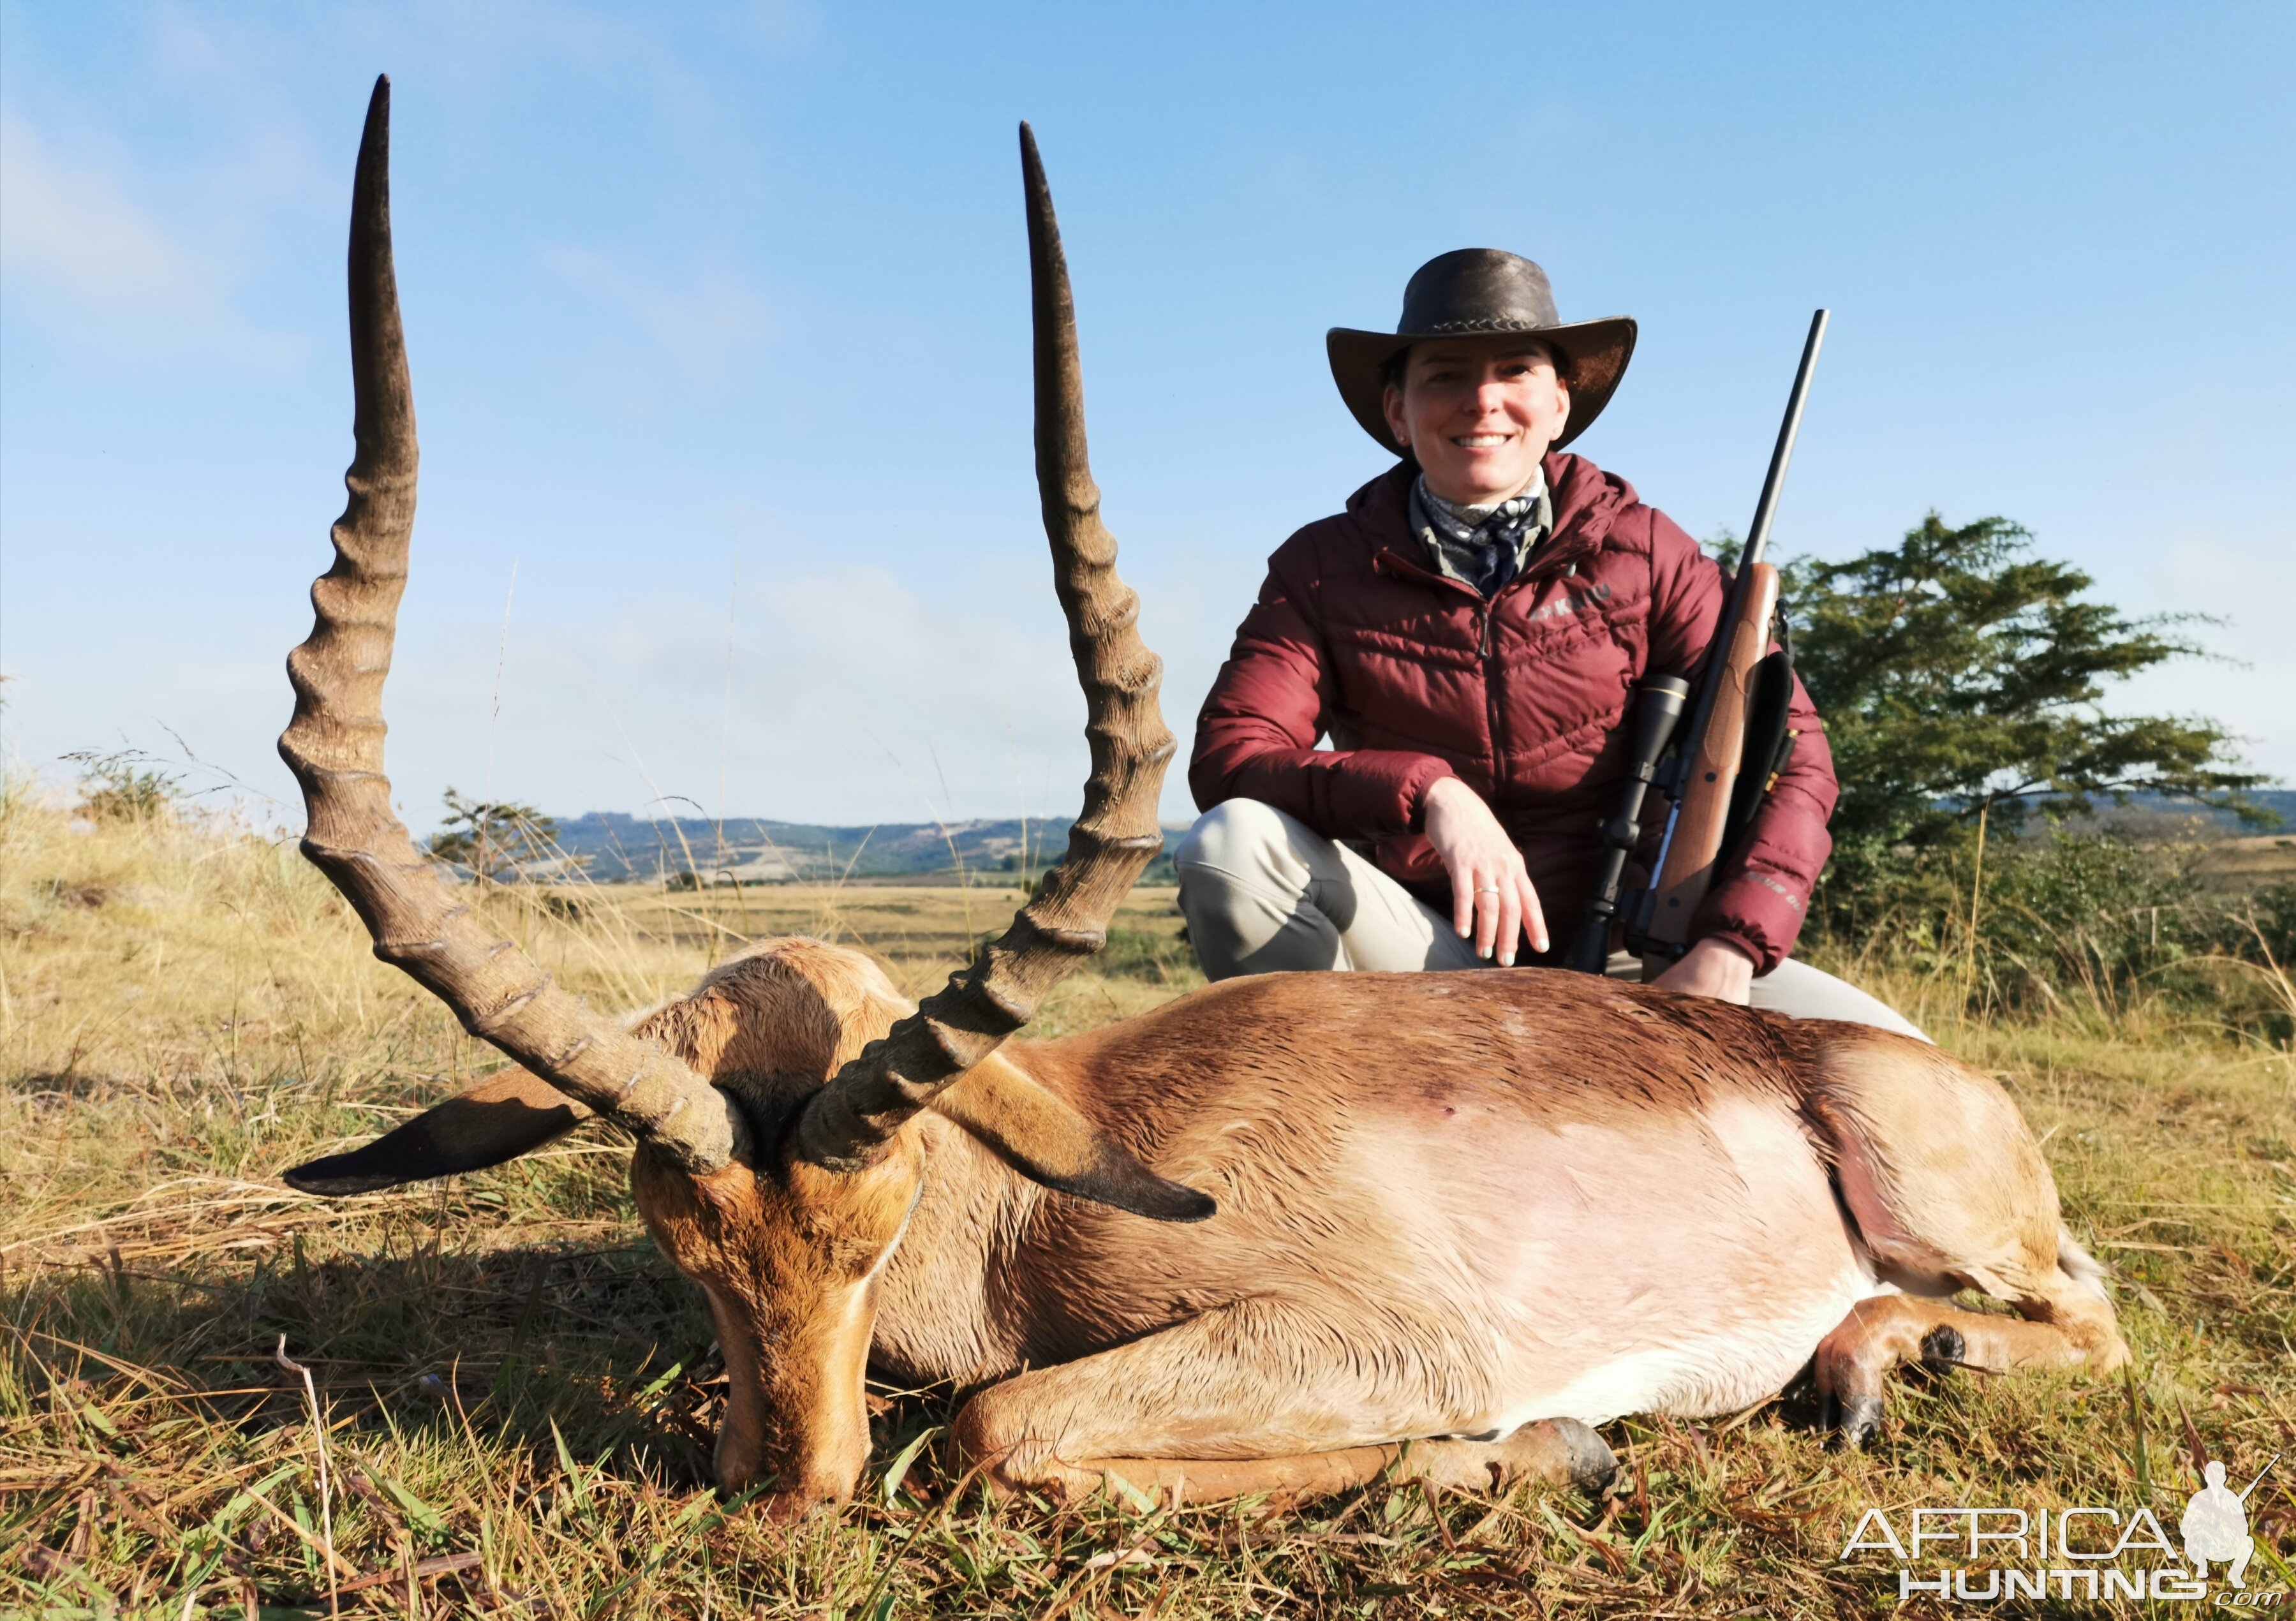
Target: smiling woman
{"points": [[1477, 413], [1469, 635]]}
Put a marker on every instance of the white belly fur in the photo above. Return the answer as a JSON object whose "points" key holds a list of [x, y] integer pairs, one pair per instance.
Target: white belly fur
{"points": [[1704, 1375], [1719, 1296]]}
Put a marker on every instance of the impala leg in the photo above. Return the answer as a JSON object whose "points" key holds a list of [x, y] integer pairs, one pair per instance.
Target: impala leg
{"points": [[1948, 1191], [1881, 1333], [1554, 1452], [1236, 1402]]}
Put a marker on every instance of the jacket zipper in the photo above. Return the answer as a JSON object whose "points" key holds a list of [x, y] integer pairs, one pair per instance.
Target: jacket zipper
{"points": [[1389, 561], [1491, 679], [1492, 705]]}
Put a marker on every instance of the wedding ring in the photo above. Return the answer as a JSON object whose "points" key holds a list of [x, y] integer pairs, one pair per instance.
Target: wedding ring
{"points": [[1492, 889]]}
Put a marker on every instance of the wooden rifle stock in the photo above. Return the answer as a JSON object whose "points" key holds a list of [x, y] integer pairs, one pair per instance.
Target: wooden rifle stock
{"points": [[1706, 766], [1709, 772]]}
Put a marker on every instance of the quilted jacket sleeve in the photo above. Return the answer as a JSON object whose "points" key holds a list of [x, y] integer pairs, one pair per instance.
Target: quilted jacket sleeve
{"points": [[1758, 901], [1256, 735]]}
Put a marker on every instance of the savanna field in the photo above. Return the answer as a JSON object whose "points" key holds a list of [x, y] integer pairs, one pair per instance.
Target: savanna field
{"points": [[517, 1394]]}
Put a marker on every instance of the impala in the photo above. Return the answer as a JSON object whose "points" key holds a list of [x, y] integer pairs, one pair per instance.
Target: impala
{"points": [[1278, 1236]]}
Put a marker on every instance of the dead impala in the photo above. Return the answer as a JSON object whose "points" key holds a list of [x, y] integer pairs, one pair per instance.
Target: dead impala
{"points": [[1440, 1221]]}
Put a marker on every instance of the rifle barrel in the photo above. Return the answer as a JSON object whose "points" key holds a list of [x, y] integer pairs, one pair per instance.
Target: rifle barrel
{"points": [[1757, 541], [2260, 1474], [1758, 538]]}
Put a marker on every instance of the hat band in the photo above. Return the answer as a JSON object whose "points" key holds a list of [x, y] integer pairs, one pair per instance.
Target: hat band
{"points": [[1482, 323]]}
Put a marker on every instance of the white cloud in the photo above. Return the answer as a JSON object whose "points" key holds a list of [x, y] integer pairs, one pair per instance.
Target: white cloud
{"points": [[849, 695], [2242, 578], [74, 239], [855, 696], [780, 25], [702, 326], [75, 231]]}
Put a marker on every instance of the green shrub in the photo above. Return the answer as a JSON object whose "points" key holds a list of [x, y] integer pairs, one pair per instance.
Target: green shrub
{"points": [[122, 787], [2097, 921]]}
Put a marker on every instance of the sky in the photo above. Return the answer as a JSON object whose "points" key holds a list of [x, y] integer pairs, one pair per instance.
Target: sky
{"points": [[717, 317]]}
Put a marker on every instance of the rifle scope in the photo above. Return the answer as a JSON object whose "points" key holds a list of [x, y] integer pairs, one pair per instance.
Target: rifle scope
{"points": [[1663, 697]]}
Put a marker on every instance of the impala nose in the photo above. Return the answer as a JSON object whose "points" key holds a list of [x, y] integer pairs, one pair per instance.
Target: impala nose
{"points": [[782, 1507]]}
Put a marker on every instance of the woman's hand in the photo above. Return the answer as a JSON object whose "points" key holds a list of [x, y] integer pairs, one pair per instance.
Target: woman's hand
{"points": [[1491, 897], [1711, 968]]}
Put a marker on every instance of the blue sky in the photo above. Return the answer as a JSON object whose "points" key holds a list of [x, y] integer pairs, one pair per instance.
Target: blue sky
{"points": [[718, 320]]}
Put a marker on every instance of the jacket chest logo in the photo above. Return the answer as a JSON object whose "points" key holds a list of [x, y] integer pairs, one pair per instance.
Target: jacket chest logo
{"points": [[1573, 599]]}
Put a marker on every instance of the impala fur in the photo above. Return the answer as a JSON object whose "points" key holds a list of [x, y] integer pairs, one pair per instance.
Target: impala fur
{"points": [[1439, 1224]]}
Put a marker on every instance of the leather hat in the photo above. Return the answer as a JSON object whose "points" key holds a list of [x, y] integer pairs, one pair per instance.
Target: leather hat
{"points": [[1476, 291]]}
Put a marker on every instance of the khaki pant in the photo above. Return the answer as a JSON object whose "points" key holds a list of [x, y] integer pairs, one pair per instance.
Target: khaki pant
{"points": [[1263, 894]]}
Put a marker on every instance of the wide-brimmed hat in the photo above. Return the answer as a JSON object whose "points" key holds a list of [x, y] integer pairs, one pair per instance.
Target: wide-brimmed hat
{"points": [[1474, 292]]}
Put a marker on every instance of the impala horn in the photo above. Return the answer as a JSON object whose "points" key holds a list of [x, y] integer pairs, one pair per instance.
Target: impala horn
{"points": [[334, 748], [848, 1122]]}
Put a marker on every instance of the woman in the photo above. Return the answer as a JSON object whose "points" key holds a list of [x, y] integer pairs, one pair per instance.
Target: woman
{"points": [[1468, 635]]}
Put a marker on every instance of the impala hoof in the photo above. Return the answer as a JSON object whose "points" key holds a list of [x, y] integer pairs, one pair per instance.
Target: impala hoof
{"points": [[1856, 1418], [1594, 1466], [1943, 1348], [1562, 1452]]}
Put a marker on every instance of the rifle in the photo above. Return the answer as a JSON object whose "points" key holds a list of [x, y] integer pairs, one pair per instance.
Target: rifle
{"points": [[1736, 744], [2260, 1474]]}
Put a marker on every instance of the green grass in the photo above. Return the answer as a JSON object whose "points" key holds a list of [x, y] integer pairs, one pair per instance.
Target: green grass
{"points": [[518, 1392]]}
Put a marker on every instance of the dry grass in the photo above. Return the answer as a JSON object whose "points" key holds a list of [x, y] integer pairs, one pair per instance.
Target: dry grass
{"points": [[2250, 862], [519, 1391]]}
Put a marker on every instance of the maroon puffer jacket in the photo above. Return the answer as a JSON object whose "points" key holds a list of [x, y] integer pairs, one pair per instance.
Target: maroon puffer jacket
{"points": [[1414, 677]]}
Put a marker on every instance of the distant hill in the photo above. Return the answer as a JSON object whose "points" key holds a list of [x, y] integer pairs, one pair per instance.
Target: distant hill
{"points": [[2154, 815], [618, 848]]}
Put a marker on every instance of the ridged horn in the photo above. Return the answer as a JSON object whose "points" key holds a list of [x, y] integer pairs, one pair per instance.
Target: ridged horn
{"points": [[1116, 835], [334, 746]]}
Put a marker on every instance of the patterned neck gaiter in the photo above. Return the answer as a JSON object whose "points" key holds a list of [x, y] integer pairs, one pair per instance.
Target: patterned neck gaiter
{"points": [[1483, 546]]}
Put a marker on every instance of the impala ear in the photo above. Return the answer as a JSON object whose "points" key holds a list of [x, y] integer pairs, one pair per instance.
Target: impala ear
{"points": [[1040, 1135], [513, 1113]]}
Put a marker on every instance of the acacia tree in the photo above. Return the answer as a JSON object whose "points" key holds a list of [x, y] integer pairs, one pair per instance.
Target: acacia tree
{"points": [[496, 842], [1958, 674]]}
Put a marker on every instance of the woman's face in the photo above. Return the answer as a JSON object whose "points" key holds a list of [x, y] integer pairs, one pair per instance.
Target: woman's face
{"points": [[1479, 412]]}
